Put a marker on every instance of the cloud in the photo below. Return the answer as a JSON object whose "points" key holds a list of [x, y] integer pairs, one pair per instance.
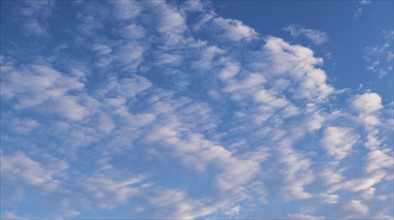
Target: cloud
{"points": [[125, 10], [378, 160], [176, 204], [163, 106], [107, 193], [224, 29], [299, 63], [317, 37], [304, 216], [367, 103], [41, 85], [20, 167], [235, 30], [360, 8], [338, 141], [33, 17], [355, 207], [379, 58]]}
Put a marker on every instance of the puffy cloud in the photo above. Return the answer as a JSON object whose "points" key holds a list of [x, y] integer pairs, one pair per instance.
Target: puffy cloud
{"points": [[367, 106], [338, 141], [235, 30], [367, 103], [41, 85], [229, 71], [163, 107], [378, 159], [298, 63], [20, 167], [298, 174], [355, 207]]}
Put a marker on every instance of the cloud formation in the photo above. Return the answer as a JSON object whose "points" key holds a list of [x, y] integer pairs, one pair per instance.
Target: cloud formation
{"points": [[380, 57], [315, 36], [156, 109], [360, 8]]}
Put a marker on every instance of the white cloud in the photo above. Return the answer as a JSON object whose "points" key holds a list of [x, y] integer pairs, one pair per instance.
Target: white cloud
{"points": [[298, 63], [125, 10], [380, 57], [175, 204], [230, 70], [233, 211], [360, 8], [172, 23], [243, 125], [107, 192], [12, 215], [297, 174], [355, 207], [198, 153], [332, 174], [361, 184], [317, 37], [23, 125], [101, 49], [235, 30], [41, 85], [338, 141], [368, 106], [132, 31], [20, 167], [226, 29], [208, 53], [305, 216], [33, 17], [330, 198], [377, 160], [367, 103], [364, 2]]}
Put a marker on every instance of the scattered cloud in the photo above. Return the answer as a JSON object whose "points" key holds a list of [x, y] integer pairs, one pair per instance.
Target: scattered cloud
{"points": [[362, 4], [367, 103], [338, 141], [34, 15], [380, 58], [355, 207], [316, 37], [27, 170], [164, 106]]}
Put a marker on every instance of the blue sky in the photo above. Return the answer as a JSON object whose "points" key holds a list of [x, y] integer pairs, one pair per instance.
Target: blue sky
{"points": [[197, 109]]}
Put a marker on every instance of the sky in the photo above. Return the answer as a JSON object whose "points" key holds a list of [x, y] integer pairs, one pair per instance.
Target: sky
{"points": [[197, 109]]}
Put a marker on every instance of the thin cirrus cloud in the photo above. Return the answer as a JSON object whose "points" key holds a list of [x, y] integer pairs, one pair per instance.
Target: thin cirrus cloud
{"points": [[150, 109], [380, 57], [315, 36], [361, 4]]}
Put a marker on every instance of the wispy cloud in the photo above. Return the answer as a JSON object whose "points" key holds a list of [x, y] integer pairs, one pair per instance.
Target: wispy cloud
{"points": [[362, 4], [317, 37], [33, 17], [380, 57]]}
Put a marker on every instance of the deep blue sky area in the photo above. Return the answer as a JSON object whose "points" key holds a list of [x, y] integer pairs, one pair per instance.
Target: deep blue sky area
{"points": [[196, 109]]}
